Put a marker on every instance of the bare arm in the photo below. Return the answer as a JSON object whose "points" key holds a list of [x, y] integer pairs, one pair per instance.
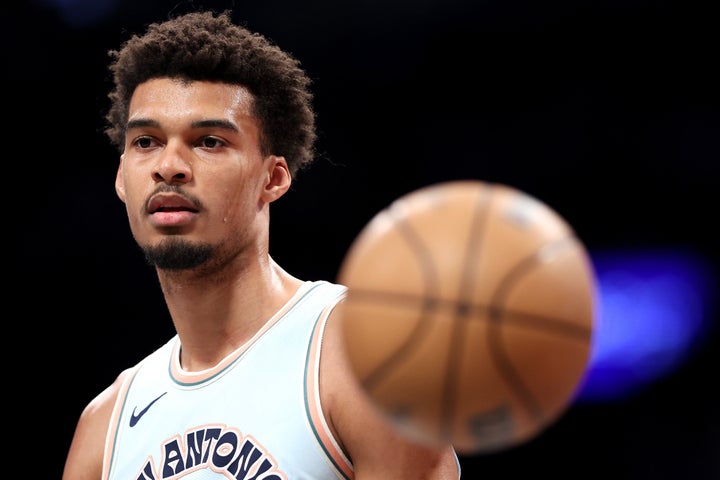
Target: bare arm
{"points": [[85, 457], [377, 451]]}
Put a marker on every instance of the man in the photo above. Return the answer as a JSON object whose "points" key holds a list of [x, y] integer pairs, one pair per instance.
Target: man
{"points": [[212, 122]]}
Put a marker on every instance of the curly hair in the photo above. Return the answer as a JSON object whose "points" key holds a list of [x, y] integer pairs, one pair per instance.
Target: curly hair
{"points": [[207, 46]]}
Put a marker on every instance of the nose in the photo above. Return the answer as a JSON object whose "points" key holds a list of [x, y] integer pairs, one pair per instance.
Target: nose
{"points": [[174, 165]]}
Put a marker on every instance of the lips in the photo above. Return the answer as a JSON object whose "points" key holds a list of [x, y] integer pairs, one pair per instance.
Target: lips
{"points": [[170, 210], [164, 202]]}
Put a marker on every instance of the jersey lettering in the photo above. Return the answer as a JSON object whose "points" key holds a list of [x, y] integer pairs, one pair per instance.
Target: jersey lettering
{"points": [[220, 449]]}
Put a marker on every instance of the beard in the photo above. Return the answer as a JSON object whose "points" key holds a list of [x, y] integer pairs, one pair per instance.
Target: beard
{"points": [[177, 254]]}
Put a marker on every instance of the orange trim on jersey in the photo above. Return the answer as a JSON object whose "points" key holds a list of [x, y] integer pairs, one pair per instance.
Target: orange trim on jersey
{"points": [[111, 436], [312, 400], [189, 379]]}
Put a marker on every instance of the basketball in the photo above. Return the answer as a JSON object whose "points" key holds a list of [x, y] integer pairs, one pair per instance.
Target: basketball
{"points": [[469, 314]]}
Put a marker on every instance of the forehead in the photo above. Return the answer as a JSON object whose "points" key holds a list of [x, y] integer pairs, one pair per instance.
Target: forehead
{"points": [[168, 97]]}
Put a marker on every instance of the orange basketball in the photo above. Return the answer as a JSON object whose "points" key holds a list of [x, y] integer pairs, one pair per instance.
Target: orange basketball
{"points": [[469, 314]]}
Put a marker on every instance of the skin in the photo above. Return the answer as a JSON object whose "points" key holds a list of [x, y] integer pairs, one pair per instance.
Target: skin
{"points": [[219, 305]]}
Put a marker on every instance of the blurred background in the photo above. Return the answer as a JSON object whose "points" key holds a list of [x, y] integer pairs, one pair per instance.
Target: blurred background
{"points": [[606, 110]]}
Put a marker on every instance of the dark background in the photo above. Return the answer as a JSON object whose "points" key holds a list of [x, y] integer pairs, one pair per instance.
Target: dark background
{"points": [[607, 110]]}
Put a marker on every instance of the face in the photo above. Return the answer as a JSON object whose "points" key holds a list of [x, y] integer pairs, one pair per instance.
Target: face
{"points": [[196, 186]]}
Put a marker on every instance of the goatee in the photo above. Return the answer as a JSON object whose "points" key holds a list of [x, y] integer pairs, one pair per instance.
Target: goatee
{"points": [[177, 254]]}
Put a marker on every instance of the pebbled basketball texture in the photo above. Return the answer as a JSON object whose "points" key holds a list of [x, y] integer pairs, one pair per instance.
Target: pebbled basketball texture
{"points": [[469, 314]]}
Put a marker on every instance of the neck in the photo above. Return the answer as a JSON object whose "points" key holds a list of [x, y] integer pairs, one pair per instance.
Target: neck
{"points": [[216, 314]]}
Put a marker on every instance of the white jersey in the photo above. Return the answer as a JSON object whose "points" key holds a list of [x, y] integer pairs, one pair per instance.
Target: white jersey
{"points": [[254, 416]]}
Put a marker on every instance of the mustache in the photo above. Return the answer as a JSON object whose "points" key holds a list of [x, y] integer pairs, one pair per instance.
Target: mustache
{"points": [[174, 189]]}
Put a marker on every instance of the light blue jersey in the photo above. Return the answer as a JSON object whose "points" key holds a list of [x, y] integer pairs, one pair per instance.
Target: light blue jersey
{"points": [[254, 416]]}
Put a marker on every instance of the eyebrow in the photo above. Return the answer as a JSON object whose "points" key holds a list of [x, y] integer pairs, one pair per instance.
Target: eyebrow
{"points": [[141, 122], [212, 123], [224, 124]]}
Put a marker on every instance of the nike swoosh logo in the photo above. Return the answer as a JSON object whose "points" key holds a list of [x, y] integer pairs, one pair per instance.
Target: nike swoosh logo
{"points": [[135, 418]]}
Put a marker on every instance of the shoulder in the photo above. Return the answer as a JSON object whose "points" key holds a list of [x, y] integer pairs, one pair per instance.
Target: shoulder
{"points": [[85, 457], [375, 448]]}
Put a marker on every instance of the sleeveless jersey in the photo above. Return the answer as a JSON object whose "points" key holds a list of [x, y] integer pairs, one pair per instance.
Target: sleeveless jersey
{"points": [[254, 416]]}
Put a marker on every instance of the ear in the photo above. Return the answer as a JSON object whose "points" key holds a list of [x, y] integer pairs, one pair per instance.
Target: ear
{"points": [[119, 182], [277, 180]]}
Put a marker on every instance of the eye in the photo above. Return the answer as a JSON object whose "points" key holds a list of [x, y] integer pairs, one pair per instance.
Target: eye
{"points": [[144, 142], [211, 142]]}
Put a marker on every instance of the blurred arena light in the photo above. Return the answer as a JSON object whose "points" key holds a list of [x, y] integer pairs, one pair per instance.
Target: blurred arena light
{"points": [[654, 308], [80, 13]]}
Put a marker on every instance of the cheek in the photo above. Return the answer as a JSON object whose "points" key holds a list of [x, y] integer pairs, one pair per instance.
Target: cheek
{"points": [[240, 204], [132, 183], [134, 200], [134, 206], [236, 203]]}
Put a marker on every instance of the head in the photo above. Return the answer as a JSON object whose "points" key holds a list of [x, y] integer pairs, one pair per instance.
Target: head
{"points": [[205, 46], [212, 121]]}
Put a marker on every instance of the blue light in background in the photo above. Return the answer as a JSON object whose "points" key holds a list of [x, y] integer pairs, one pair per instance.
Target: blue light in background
{"points": [[80, 13], [654, 308]]}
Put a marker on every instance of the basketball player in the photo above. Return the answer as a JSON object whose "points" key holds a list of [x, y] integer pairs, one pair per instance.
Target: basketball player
{"points": [[212, 122]]}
